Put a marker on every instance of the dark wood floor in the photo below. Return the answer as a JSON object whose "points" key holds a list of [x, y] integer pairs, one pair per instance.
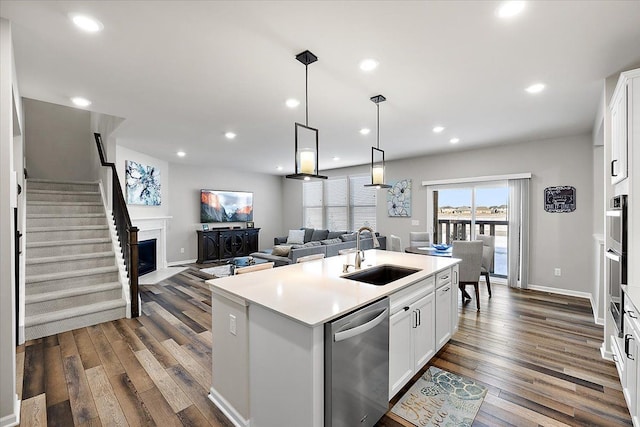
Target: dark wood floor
{"points": [[538, 354]]}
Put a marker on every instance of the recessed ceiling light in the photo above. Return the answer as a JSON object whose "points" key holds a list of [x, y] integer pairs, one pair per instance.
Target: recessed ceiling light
{"points": [[80, 101], [181, 153], [279, 168], [454, 140], [365, 131], [510, 8], [87, 23], [336, 158], [230, 135], [438, 129], [292, 103], [368, 64], [535, 88]]}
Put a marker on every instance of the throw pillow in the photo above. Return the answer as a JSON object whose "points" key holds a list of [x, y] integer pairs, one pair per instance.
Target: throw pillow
{"points": [[350, 237], [311, 244], [330, 241], [335, 234], [281, 250], [307, 234], [295, 237], [319, 235]]}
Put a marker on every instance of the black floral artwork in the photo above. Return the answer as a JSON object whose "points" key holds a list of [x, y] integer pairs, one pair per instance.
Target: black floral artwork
{"points": [[399, 198]]}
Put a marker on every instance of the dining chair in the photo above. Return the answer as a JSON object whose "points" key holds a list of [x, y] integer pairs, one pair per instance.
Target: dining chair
{"points": [[309, 258], [488, 251], [395, 243], [255, 267], [419, 238], [469, 268]]}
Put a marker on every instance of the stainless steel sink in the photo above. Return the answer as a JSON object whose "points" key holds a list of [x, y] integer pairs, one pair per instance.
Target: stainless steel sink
{"points": [[381, 275]]}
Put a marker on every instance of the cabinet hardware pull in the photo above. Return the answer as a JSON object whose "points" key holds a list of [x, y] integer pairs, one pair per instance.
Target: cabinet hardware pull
{"points": [[612, 163], [419, 317], [406, 308], [415, 319], [631, 314], [615, 359], [446, 289], [444, 277], [627, 338]]}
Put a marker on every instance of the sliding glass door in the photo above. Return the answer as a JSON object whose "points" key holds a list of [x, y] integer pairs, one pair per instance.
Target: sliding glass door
{"points": [[464, 212]]}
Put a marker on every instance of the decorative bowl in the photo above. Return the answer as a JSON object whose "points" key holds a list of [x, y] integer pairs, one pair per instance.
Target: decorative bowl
{"points": [[441, 247]]}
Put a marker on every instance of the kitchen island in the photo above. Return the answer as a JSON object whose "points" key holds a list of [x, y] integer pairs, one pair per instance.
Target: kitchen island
{"points": [[268, 331]]}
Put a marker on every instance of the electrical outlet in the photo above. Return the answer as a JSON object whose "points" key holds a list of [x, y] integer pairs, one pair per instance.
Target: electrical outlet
{"points": [[181, 250], [232, 324], [557, 272], [415, 222]]}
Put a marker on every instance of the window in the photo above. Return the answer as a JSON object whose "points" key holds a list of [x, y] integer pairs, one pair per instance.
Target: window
{"points": [[341, 203]]}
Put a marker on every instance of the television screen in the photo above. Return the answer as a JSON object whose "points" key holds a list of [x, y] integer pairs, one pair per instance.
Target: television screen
{"points": [[226, 206]]}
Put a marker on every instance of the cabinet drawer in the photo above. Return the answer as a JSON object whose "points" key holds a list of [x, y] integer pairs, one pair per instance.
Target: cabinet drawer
{"points": [[443, 277], [408, 295]]}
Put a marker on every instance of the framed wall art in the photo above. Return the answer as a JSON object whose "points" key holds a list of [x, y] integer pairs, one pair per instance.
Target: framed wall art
{"points": [[560, 199], [399, 198], [142, 184]]}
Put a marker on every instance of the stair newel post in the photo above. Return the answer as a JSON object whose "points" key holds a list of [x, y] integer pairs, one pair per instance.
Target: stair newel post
{"points": [[133, 270]]}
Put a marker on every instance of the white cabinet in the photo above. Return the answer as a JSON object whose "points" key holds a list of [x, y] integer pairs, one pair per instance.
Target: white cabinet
{"points": [[444, 307], [619, 131], [630, 378], [455, 314], [411, 332]]}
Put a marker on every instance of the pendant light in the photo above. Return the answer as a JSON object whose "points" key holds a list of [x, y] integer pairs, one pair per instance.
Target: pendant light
{"points": [[377, 155], [306, 137]]}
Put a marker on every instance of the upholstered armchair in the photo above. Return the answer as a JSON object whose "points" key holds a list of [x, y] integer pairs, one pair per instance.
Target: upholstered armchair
{"points": [[488, 251], [419, 238]]}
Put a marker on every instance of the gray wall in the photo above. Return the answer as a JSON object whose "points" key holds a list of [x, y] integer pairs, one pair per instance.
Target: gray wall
{"points": [[557, 240], [184, 202], [59, 143]]}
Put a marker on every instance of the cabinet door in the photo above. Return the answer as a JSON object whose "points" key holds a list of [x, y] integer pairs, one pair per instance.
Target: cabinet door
{"points": [[424, 340], [252, 241], [631, 364], [401, 326], [443, 315], [210, 248], [454, 300], [619, 135]]}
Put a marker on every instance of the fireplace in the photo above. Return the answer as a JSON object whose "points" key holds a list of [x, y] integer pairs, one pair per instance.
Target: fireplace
{"points": [[146, 256]]}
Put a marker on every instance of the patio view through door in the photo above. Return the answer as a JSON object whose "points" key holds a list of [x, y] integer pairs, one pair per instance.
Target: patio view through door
{"points": [[462, 213]]}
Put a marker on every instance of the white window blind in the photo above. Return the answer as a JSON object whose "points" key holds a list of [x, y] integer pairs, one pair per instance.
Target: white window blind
{"points": [[312, 204], [336, 198], [362, 202]]}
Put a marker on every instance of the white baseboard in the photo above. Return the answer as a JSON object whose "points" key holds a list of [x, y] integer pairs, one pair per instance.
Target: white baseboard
{"points": [[606, 354], [228, 410], [597, 320], [187, 261], [12, 419], [568, 292]]}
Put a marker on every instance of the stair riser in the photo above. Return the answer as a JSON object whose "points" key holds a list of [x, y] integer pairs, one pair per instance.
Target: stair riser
{"points": [[61, 186], [71, 302], [74, 197], [52, 328], [62, 221], [64, 209], [46, 236], [79, 264], [67, 250], [73, 282]]}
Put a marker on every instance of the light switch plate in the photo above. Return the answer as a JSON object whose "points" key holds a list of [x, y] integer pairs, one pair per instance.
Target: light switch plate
{"points": [[415, 222]]}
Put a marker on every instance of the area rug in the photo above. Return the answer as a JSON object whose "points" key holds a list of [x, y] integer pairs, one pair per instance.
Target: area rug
{"points": [[440, 398], [218, 271]]}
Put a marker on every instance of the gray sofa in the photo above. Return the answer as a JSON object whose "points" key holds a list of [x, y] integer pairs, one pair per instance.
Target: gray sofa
{"points": [[316, 241]]}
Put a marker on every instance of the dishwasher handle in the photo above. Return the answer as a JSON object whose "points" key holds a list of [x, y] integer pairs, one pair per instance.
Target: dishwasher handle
{"points": [[346, 334]]}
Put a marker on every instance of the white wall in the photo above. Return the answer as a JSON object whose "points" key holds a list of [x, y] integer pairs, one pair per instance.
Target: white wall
{"points": [[557, 240], [105, 124], [140, 211], [59, 143], [186, 183], [9, 405]]}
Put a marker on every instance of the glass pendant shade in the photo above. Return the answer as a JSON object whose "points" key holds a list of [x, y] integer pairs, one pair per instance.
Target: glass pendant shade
{"points": [[377, 169]]}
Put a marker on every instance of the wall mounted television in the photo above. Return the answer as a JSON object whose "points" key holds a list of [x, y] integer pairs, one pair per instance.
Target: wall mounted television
{"points": [[226, 206]]}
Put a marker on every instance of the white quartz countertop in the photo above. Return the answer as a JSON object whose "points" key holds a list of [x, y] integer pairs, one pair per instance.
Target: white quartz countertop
{"points": [[633, 294], [314, 292]]}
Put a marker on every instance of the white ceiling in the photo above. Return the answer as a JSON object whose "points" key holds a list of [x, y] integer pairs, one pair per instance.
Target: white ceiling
{"points": [[182, 73]]}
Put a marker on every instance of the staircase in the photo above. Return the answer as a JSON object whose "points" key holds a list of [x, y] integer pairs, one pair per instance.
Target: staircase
{"points": [[72, 275]]}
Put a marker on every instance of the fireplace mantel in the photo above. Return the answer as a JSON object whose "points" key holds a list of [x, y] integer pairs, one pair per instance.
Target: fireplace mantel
{"points": [[154, 228]]}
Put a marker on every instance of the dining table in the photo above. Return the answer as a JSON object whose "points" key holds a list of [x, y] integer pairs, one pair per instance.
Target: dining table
{"points": [[428, 250]]}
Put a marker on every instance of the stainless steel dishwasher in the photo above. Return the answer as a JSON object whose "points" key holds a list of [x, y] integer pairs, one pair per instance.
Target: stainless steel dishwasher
{"points": [[356, 367]]}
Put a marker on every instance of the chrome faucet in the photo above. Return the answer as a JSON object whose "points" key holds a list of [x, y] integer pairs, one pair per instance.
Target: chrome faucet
{"points": [[376, 244]]}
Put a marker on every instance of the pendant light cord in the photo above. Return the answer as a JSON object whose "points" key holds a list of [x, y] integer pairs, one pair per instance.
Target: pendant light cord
{"points": [[378, 130], [306, 95]]}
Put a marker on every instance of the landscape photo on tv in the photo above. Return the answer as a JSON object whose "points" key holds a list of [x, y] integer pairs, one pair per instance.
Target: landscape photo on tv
{"points": [[226, 206]]}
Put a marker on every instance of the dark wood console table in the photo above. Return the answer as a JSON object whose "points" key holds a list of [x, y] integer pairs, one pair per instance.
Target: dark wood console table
{"points": [[223, 244]]}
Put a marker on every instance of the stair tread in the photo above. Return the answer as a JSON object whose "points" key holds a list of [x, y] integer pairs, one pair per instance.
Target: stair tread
{"points": [[66, 215], [67, 228], [72, 192], [59, 203], [69, 274], [65, 293], [62, 258], [92, 241], [38, 319], [53, 181]]}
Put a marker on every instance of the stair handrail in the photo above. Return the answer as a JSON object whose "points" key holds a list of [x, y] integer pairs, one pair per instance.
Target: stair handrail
{"points": [[127, 233]]}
